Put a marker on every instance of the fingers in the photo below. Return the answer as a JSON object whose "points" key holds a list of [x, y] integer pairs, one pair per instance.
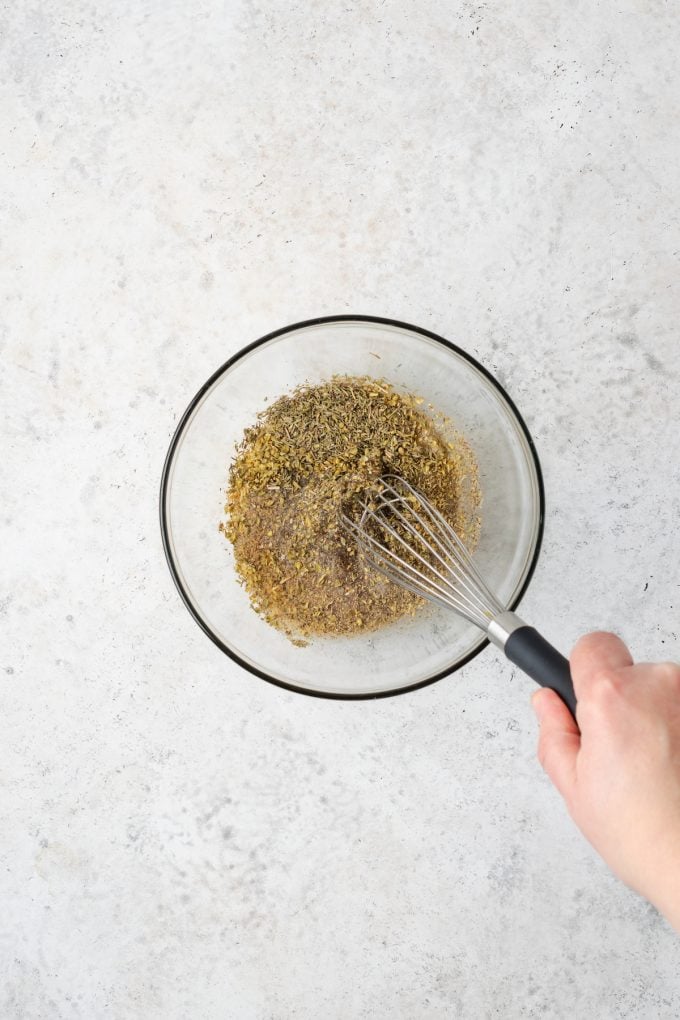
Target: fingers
{"points": [[559, 740], [595, 654]]}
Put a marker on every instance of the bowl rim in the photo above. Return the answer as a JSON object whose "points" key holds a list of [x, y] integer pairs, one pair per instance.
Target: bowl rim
{"points": [[165, 529]]}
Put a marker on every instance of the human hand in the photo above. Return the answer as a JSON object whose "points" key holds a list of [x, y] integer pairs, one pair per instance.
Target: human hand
{"points": [[620, 775]]}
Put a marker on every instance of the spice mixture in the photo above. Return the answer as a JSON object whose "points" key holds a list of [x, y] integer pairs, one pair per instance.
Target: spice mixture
{"points": [[308, 458]]}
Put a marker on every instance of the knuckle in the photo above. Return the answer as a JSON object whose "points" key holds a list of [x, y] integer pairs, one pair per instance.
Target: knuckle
{"points": [[593, 641], [602, 693], [605, 685], [669, 673]]}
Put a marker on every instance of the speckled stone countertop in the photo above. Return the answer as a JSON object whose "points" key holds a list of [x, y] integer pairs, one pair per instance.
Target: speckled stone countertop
{"points": [[179, 839]]}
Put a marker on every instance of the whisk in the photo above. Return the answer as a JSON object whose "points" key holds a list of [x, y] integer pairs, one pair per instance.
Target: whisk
{"points": [[403, 536]]}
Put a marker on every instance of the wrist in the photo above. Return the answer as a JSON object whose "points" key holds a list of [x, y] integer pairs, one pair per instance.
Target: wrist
{"points": [[669, 906], [666, 892], [671, 911]]}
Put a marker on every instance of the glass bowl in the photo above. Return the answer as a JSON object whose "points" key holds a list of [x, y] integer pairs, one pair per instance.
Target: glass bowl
{"points": [[409, 653]]}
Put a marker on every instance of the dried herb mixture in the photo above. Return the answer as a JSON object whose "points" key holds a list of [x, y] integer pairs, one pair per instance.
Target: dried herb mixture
{"points": [[307, 458]]}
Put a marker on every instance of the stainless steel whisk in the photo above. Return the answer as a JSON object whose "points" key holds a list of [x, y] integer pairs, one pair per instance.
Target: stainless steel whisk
{"points": [[403, 536]]}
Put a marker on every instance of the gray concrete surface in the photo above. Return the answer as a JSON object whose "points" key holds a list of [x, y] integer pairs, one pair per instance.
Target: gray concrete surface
{"points": [[178, 839]]}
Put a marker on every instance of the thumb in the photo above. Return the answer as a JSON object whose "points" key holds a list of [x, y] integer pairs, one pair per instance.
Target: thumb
{"points": [[559, 741]]}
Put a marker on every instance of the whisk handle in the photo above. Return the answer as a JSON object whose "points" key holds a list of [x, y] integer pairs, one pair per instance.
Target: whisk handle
{"points": [[538, 659]]}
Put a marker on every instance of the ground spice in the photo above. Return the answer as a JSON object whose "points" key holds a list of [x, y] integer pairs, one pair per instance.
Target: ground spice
{"points": [[308, 457]]}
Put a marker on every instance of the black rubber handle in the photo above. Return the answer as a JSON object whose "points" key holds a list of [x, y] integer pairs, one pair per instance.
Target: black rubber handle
{"points": [[543, 663]]}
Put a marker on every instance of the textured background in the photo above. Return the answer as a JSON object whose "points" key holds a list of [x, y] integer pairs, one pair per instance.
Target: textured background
{"points": [[179, 839]]}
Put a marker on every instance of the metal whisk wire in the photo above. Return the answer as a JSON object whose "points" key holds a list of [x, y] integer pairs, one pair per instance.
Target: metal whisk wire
{"points": [[408, 540], [435, 565]]}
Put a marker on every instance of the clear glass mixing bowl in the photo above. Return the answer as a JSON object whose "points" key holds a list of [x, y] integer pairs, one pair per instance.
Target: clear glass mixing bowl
{"points": [[407, 654]]}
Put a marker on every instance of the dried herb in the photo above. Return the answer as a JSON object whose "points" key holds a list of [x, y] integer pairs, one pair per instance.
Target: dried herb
{"points": [[309, 455]]}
